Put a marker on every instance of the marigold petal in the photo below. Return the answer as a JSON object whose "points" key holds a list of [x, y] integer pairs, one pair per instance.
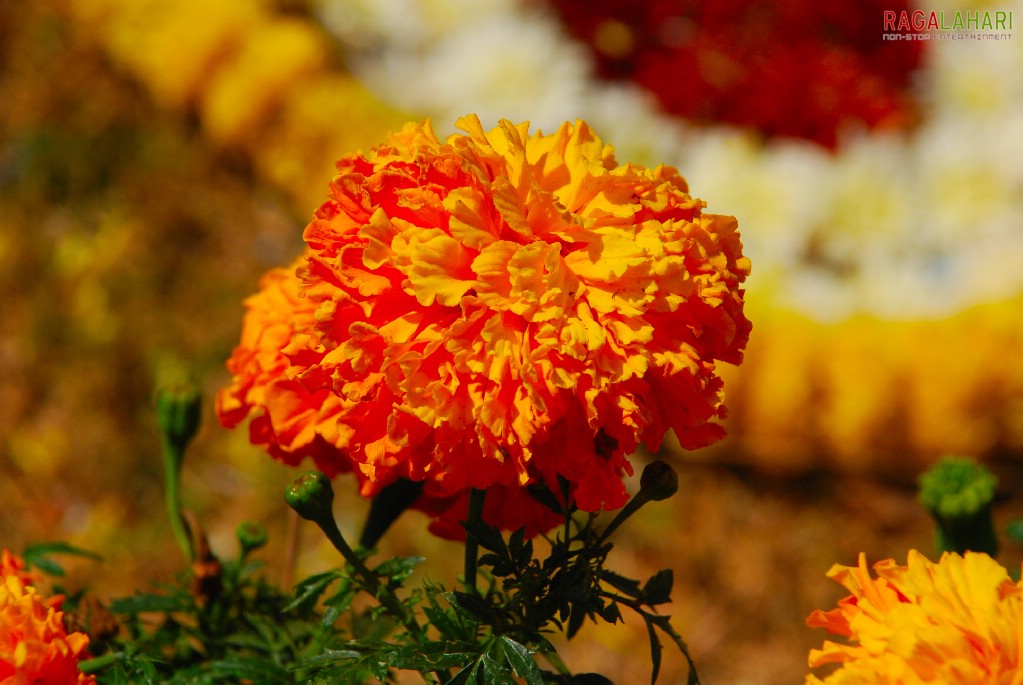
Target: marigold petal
{"points": [[494, 310]]}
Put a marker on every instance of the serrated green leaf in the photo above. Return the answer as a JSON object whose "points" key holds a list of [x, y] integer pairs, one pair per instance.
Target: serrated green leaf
{"points": [[474, 606], [431, 656], [372, 626], [489, 538], [329, 657], [521, 661], [399, 568], [575, 620], [38, 555], [611, 613], [627, 586], [500, 567], [494, 672], [664, 624], [542, 494], [655, 651], [309, 590], [657, 590]]}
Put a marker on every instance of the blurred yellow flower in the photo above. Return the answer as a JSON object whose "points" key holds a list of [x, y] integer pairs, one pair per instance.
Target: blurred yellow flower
{"points": [[958, 621], [246, 89]]}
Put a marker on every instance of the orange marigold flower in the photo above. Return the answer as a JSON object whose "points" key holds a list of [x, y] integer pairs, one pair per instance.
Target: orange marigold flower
{"points": [[493, 310], [35, 647], [958, 622], [13, 565]]}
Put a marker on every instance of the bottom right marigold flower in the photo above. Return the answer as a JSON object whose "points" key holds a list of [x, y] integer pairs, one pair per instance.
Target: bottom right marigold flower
{"points": [[958, 621]]}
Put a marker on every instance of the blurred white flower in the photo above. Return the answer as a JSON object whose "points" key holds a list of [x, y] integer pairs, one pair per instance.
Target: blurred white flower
{"points": [[447, 59], [897, 225]]}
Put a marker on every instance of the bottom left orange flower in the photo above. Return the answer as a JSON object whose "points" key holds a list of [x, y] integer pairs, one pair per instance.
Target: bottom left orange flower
{"points": [[35, 646]]}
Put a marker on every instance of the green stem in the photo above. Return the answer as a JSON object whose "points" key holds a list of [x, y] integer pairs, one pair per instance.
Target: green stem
{"points": [[630, 508], [476, 499], [333, 534], [383, 592], [98, 663], [172, 458]]}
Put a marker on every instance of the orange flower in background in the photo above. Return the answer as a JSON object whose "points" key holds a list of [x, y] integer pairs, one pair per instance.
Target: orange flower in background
{"points": [[35, 647], [958, 622], [493, 310]]}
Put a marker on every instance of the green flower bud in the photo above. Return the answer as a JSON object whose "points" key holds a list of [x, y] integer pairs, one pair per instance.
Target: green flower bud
{"points": [[251, 536], [178, 413], [959, 492], [956, 487], [312, 496], [658, 481]]}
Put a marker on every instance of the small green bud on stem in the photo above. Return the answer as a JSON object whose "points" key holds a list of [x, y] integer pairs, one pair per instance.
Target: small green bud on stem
{"points": [[312, 497], [178, 413], [658, 482], [959, 492], [251, 536]]}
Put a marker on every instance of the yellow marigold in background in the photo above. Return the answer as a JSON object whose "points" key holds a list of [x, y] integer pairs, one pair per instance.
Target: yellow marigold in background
{"points": [[958, 622], [35, 647], [494, 310], [262, 81]]}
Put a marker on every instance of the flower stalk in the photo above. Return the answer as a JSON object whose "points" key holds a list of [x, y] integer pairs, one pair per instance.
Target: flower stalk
{"points": [[475, 515], [178, 413], [312, 496], [658, 482]]}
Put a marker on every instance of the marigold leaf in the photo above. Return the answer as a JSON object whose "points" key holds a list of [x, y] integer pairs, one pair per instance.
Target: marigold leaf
{"points": [[627, 586], [655, 651], [657, 590], [575, 620], [432, 656], [309, 590], [474, 606], [38, 555], [542, 494], [399, 568], [489, 538], [521, 661]]}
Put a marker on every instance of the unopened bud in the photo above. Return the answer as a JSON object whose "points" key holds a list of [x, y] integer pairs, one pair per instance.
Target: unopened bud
{"points": [[959, 492], [658, 481], [178, 412], [251, 536], [312, 496]]}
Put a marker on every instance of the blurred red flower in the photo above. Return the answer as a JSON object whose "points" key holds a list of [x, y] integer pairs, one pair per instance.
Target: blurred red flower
{"points": [[791, 68]]}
